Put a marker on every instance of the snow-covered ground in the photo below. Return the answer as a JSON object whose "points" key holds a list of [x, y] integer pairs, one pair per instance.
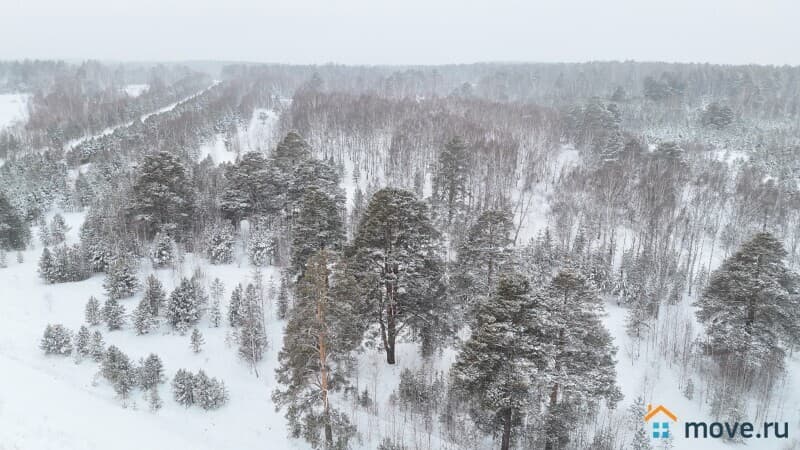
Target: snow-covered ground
{"points": [[13, 108], [135, 90]]}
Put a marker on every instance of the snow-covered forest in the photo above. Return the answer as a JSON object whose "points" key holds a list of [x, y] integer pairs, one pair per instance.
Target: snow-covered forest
{"points": [[483, 256]]}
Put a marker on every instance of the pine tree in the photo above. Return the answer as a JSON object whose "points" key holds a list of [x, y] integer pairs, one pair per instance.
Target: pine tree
{"points": [[164, 251], [262, 245], [636, 412], [121, 281], [396, 249], [92, 314], [319, 226], [46, 266], [113, 314], [14, 231], [58, 230], [154, 295], [197, 341], [247, 189], [183, 309], [57, 340], [143, 320], [750, 308], [154, 399], [235, 307], [219, 244], [217, 289], [119, 371], [450, 179], [162, 193], [485, 251], [183, 387], [252, 335], [215, 314], [151, 372], [283, 300], [83, 341], [209, 393], [97, 347], [497, 366], [320, 336], [574, 328]]}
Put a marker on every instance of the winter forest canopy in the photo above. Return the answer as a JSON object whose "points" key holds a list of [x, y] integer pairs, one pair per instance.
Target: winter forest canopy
{"points": [[482, 256]]}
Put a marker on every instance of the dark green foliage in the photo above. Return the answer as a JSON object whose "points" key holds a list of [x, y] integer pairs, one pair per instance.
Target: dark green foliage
{"points": [[751, 307], [163, 194], [395, 259]]}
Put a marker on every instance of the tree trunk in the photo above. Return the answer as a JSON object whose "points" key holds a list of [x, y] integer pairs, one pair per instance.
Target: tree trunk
{"points": [[505, 444], [391, 335]]}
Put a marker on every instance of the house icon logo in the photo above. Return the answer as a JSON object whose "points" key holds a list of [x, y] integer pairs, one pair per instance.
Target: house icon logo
{"points": [[659, 425]]}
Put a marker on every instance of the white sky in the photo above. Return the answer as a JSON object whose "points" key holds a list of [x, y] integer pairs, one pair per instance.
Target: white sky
{"points": [[403, 31]]}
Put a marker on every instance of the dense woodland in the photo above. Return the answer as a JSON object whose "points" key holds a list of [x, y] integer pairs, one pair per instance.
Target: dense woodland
{"points": [[484, 214]]}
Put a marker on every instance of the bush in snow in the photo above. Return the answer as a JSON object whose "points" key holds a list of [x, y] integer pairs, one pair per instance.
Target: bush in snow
{"points": [[57, 340], [219, 244]]}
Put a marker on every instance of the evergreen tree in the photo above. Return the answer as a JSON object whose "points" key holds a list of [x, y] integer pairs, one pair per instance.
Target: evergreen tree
{"points": [[154, 295], [217, 289], [215, 314], [246, 192], [485, 251], [751, 307], [154, 399], [209, 393], [151, 372], [183, 310], [58, 229], [97, 347], [498, 366], [636, 412], [283, 300], [320, 336], [14, 231], [83, 341], [252, 335], [121, 281], [113, 314], [57, 340], [119, 371], [92, 312], [143, 320], [46, 266], [183, 387], [319, 226], [163, 253], [162, 193], [583, 367], [450, 179], [396, 250], [235, 307], [261, 246], [197, 341], [219, 244]]}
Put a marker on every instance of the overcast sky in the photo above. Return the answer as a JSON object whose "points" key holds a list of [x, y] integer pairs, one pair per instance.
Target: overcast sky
{"points": [[403, 31]]}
